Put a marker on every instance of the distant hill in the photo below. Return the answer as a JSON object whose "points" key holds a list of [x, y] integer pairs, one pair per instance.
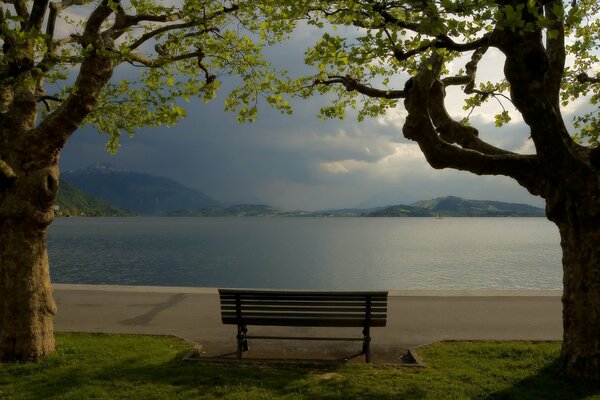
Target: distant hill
{"points": [[452, 206], [400, 211], [449, 206], [239, 210], [73, 202], [142, 193], [109, 190]]}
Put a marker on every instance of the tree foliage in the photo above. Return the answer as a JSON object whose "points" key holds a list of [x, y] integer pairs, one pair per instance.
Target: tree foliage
{"points": [[166, 51], [384, 43]]}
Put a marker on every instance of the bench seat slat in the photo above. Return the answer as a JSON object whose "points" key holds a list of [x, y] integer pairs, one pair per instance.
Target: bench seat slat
{"points": [[288, 292], [277, 314], [305, 303], [245, 308], [322, 322], [293, 299], [345, 338]]}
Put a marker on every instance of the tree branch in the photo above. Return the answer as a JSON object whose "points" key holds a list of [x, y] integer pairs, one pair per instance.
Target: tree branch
{"points": [[50, 25], [427, 116], [352, 84], [91, 32], [584, 78], [453, 131], [130, 20], [44, 99], [36, 17], [94, 73], [555, 50], [525, 69], [21, 9], [9, 40], [162, 61], [68, 3]]}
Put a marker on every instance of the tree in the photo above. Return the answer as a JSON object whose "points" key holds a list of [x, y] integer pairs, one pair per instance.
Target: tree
{"points": [[386, 41], [54, 79]]}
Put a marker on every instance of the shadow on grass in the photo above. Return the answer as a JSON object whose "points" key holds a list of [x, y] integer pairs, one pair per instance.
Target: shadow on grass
{"points": [[549, 383], [177, 379], [131, 367]]}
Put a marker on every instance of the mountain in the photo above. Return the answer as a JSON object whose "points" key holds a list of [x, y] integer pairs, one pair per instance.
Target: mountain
{"points": [[142, 193], [452, 206], [72, 201]]}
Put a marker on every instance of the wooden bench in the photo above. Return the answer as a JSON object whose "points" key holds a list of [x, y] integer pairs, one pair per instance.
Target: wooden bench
{"points": [[303, 308]]}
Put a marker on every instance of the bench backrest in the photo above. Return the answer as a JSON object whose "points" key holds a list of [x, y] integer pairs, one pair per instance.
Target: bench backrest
{"points": [[303, 308]]}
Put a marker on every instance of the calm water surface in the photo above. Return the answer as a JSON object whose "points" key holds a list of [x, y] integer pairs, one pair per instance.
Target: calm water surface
{"points": [[326, 253]]}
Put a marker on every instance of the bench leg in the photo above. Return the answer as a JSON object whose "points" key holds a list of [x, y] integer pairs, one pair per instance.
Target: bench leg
{"points": [[242, 342], [367, 344], [244, 339]]}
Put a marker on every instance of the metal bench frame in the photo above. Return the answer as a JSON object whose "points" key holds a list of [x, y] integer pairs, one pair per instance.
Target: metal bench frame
{"points": [[243, 307]]}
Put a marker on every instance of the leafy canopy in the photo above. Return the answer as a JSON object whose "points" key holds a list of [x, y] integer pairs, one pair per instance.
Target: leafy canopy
{"points": [[164, 51], [370, 48]]}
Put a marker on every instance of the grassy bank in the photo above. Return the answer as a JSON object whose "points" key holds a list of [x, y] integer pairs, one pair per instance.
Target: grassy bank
{"points": [[143, 367]]}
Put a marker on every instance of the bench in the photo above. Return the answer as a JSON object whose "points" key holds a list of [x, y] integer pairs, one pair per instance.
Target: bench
{"points": [[243, 307]]}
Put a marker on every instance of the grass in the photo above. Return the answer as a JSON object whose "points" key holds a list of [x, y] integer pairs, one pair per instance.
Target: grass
{"points": [[101, 366]]}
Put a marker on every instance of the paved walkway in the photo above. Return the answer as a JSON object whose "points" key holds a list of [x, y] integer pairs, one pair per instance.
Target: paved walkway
{"points": [[414, 318]]}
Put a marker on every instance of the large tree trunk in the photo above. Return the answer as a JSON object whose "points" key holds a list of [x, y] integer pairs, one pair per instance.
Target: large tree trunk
{"points": [[27, 305], [579, 228]]}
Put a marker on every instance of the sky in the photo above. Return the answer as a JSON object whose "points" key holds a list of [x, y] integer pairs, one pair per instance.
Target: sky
{"points": [[300, 162]]}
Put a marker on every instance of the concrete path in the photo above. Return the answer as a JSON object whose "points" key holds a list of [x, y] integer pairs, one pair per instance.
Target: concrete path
{"points": [[414, 318]]}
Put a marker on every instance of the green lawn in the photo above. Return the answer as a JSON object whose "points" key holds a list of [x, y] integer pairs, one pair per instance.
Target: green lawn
{"points": [[89, 366]]}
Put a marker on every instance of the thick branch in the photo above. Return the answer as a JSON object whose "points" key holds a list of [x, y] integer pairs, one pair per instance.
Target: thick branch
{"points": [[50, 27], [94, 23], [352, 84], [36, 17], [471, 68], [21, 9], [555, 51], [94, 73], [419, 126], [453, 131], [525, 69]]}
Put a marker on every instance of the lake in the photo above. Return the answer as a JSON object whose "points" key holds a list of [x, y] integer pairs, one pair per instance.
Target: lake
{"points": [[314, 253]]}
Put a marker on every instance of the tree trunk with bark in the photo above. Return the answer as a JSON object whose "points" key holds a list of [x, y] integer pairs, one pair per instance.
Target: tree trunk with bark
{"points": [[580, 242], [563, 172], [29, 154], [33, 52], [28, 307]]}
